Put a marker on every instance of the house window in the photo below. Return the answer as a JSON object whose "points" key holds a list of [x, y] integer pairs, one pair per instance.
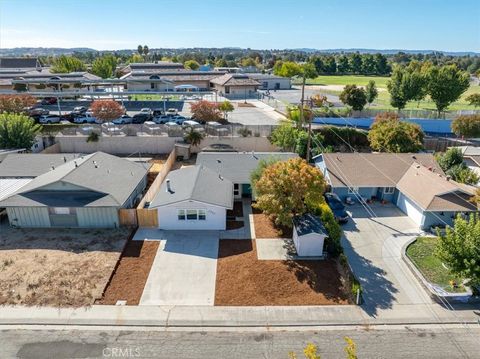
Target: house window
{"points": [[61, 210], [389, 190], [152, 85], [192, 214], [202, 215], [227, 89], [236, 189], [352, 189], [181, 214]]}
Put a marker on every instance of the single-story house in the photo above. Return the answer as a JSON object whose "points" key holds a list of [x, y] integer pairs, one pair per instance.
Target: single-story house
{"points": [[271, 82], [238, 166], [413, 182], [83, 192], [308, 235], [193, 198], [471, 157], [235, 86]]}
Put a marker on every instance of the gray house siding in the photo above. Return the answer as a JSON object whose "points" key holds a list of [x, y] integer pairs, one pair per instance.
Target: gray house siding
{"points": [[364, 192], [101, 217], [138, 190], [34, 217], [437, 219]]}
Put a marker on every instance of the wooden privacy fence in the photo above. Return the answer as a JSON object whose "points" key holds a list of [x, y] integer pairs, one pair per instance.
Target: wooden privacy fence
{"points": [[147, 217]]}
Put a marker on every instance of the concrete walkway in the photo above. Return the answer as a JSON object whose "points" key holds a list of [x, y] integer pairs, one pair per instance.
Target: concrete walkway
{"points": [[184, 269], [246, 231]]}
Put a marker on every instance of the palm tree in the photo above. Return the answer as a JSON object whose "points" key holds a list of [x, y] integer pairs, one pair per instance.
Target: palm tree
{"points": [[193, 137]]}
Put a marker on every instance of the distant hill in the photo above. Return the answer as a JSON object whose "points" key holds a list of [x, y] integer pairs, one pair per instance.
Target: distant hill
{"points": [[387, 51], [56, 51], [42, 51]]}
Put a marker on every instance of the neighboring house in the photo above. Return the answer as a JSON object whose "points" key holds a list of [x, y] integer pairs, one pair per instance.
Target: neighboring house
{"points": [[471, 157], [235, 86], [85, 191], [193, 198], [414, 182], [13, 67], [271, 82], [238, 166]]}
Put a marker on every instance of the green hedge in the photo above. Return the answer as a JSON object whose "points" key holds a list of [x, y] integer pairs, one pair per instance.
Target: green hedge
{"points": [[339, 136], [332, 243]]}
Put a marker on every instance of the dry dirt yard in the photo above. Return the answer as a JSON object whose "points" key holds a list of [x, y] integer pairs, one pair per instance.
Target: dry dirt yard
{"points": [[57, 267]]}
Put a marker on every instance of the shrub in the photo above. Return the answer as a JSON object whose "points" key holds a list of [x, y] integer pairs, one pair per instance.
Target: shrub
{"points": [[338, 136], [244, 132], [334, 231], [93, 137]]}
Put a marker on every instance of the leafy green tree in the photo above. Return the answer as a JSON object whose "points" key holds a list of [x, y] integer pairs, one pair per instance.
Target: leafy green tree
{"points": [[285, 136], [66, 64], [146, 50], [286, 188], [459, 247], [381, 65], [446, 84], [105, 66], [451, 162], [17, 131], [343, 66], [193, 137], [371, 91], [414, 82], [393, 135], [140, 49], [135, 58], [395, 86], [466, 126], [354, 96], [330, 66], [356, 63], [191, 65], [226, 107], [473, 99], [368, 64]]}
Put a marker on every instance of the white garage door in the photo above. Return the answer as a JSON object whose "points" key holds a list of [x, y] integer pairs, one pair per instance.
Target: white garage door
{"points": [[410, 209]]}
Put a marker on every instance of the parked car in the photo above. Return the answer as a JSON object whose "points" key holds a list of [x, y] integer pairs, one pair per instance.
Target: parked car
{"points": [[146, 110], [337, 207], [123, 120], [37, 111], [141, 118], [178, 119], [161, 119], [190, 123], [157, 112], [171, 112], [48, 119], [86, 118], [49, 101], [79, 110]]}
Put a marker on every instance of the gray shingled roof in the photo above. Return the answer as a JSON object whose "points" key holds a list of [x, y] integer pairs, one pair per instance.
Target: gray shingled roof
{"points": [[32, 164], [237, 166], [234, 80], [104, 180], [373, 169], [195, 183], [307, 224]]}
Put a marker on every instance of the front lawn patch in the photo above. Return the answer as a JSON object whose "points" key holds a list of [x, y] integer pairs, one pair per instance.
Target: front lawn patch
{"points": [[57, 267], [266, 228], [130, 277], [422, 254], [244, 280]]}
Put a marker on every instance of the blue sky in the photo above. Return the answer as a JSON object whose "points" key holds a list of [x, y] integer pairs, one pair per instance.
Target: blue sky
{"points": [[449, 25]]}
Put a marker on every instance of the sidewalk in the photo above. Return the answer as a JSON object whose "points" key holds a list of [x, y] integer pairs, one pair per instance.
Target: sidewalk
{"points": [[209, 316]]}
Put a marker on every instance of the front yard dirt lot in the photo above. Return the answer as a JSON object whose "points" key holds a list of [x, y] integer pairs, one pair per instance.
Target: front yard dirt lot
{"points": [[266, 228], [57, 267], [244, 280], [131, 274]]}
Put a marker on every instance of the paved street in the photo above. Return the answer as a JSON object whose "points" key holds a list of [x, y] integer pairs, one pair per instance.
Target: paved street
{"points": [[370, 247], [405, 342]]}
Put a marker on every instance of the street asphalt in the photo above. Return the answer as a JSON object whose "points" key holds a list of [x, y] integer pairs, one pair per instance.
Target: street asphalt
{"points": [[404, 342]]}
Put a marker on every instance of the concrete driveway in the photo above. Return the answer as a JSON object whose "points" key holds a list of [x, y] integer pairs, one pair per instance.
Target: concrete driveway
{"points": [[373, 247], [184, 269]]}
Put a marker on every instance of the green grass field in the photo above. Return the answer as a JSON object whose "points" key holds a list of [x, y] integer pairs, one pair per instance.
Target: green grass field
{"points": [[383, 100], [421, 253]]}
